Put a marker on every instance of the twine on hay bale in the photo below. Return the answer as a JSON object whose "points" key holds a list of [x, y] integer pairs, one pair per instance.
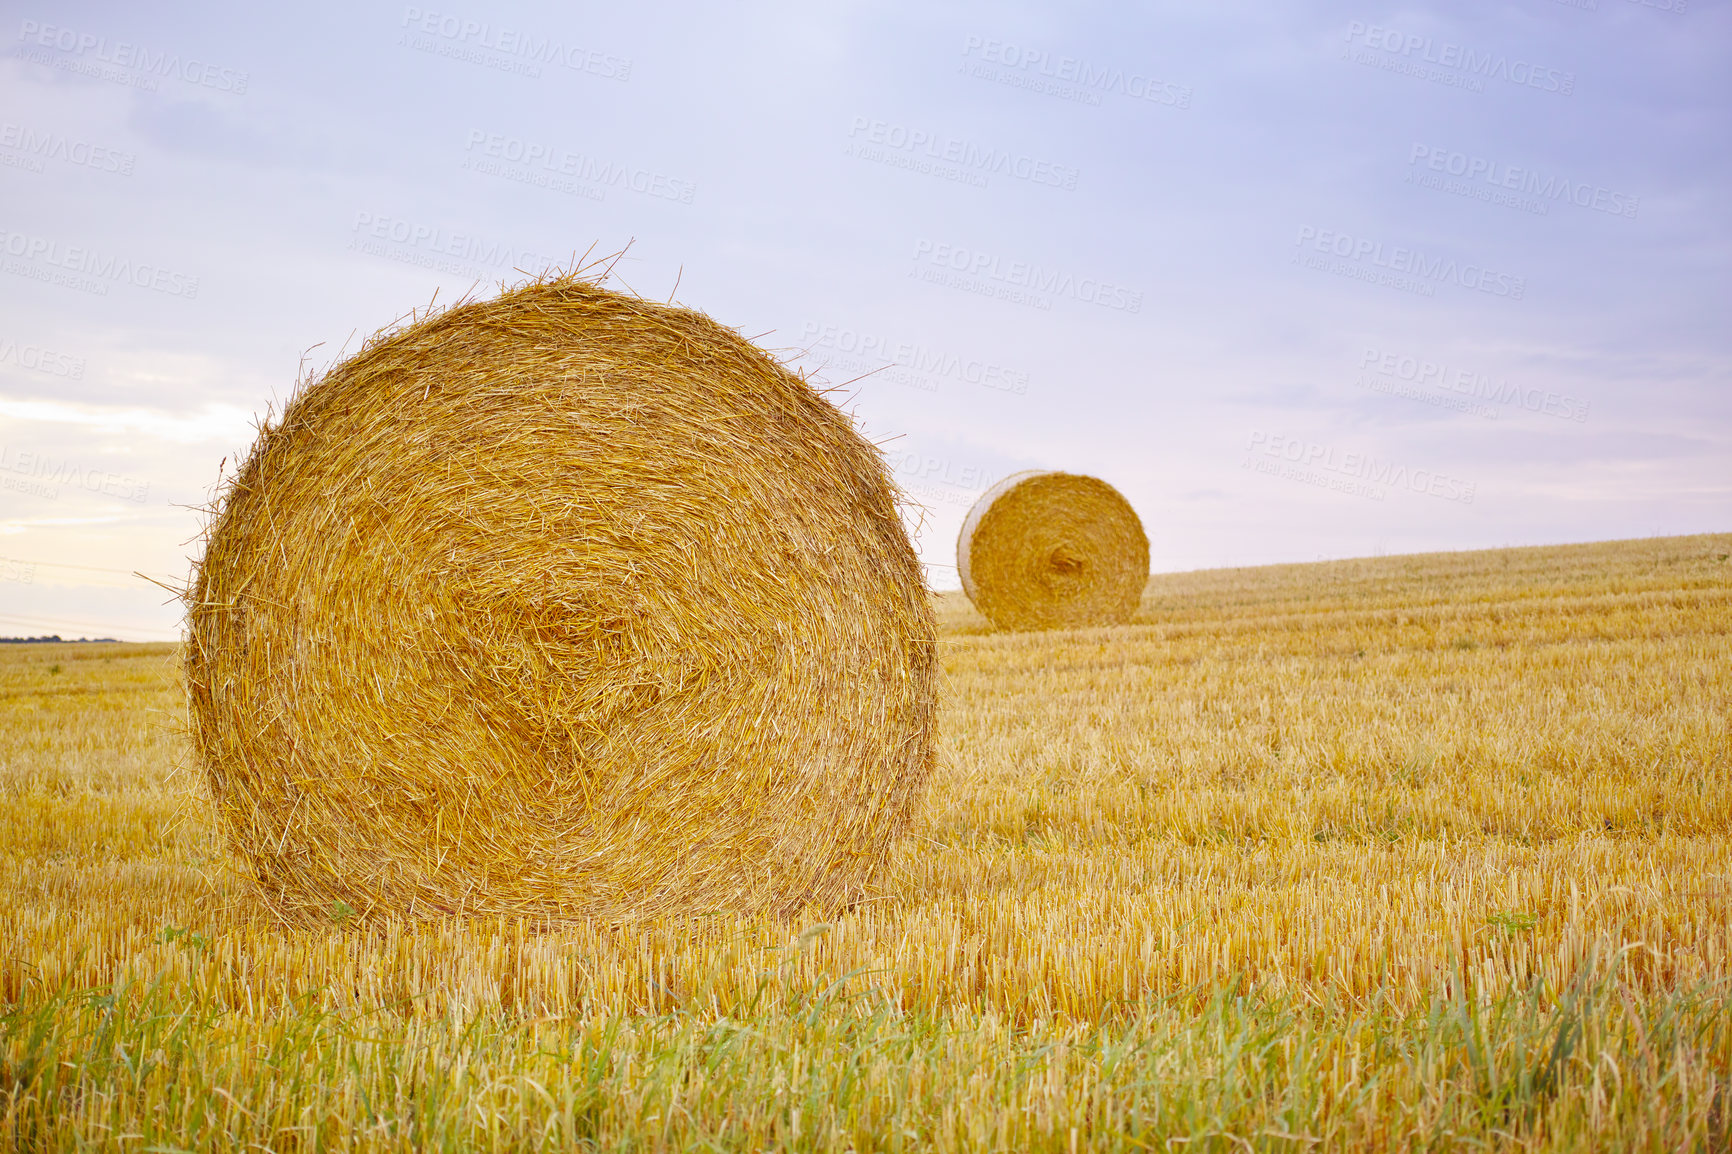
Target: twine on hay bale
{"points": [[562, 604], [1044, 550]]}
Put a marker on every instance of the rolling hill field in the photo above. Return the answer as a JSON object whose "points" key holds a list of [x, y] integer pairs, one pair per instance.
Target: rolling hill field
{"points": [[1427, 852]]}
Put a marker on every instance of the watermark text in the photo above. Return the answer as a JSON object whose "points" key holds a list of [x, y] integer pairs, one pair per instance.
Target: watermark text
{"points": [[1065, 77], [1014, 281], [559, 169], [1448, 63], [42, 475], [39, 359], [952, 158], [121, 61], [1462, 389], [503, 48], [1356, 474], [85, 268], [444, 250], [1508, 185], [910, 363], [1397, 266], [29, 148]]}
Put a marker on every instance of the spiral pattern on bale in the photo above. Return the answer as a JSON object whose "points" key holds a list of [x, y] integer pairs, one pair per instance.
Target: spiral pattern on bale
{"points": [[1046, 550], [561, 605]]}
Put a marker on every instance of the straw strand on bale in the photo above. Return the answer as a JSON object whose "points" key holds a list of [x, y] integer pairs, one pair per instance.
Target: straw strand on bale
{"points": [[561, 604], [1045, 550]]}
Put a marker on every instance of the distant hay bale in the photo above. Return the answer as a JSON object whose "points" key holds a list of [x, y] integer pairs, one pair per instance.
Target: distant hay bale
{"points": [[562, 604], [1044, 550]]}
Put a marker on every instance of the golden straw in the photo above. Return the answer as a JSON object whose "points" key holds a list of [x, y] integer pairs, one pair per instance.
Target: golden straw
{"points": [[1046, 550], [561, 604]]}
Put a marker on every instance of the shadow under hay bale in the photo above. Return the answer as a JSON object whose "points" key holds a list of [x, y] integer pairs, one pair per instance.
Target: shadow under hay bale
{"points": [[1044, 550], [563, 604]]}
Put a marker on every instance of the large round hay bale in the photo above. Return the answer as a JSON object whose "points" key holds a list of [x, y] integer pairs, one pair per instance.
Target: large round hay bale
{"points": [[562, 604], [1044, 550]]}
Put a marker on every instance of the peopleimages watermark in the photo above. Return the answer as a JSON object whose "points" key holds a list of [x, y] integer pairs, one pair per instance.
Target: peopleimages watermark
{"points": [[1464, 390], [1015, 282], [938, 480], [1065, 77], [906, 362], [1662, 5], [441, 250], [1356, 474], [40, 475], [39, 359], [120, 61], [1511, 186], [1406, 269], [949, 157], [22, 572], [502, 48], [24, 147], [1447, 63], [86, 269], [562, 170]]}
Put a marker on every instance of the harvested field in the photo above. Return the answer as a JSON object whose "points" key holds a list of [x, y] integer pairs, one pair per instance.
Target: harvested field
{"points": [[1411, 852]]}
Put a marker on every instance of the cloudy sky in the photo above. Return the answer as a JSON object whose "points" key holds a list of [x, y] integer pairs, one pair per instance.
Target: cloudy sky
{"points": [[1302, 281]]}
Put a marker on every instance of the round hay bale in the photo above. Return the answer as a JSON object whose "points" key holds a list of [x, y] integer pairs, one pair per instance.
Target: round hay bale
{"points": [[563, 604], [1043, 550]]}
